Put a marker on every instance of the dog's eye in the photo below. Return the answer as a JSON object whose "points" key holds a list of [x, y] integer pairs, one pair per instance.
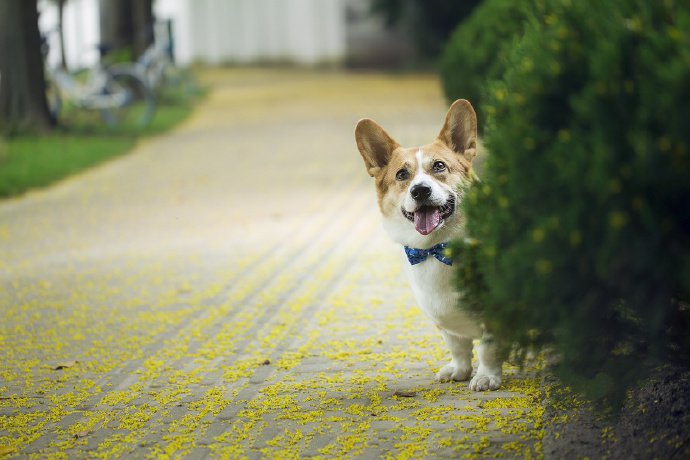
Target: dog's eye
{"points": [[403, 174], [439, 166]]}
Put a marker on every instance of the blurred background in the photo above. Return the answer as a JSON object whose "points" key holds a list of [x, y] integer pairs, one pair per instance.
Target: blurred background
{"points": [[47, 43], [124, 69], [372, 33]]}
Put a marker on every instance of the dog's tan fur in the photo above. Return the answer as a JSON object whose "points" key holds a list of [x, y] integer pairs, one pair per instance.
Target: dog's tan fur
{"points": [[423, 222], [383, 156]]}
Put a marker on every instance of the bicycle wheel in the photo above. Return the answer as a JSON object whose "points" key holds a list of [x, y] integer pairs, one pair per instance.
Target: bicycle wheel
{"points": [[137, 108]]}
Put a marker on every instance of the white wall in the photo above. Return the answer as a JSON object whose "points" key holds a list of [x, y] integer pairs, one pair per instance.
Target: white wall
{"points": [[81, 28], [216, 31], [244, 31]]}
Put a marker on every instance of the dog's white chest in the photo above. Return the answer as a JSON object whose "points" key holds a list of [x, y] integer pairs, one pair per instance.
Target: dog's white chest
{"points": [[433, 287]]}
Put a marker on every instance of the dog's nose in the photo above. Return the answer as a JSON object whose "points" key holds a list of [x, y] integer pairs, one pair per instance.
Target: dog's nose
{"points": [[420, 192]]}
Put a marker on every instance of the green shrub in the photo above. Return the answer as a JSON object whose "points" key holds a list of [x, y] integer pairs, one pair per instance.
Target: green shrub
{"points": [[583, 216], [477, 50]]}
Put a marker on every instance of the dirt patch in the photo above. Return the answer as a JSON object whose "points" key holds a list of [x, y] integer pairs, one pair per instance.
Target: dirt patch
{"points": [[654, 423]]}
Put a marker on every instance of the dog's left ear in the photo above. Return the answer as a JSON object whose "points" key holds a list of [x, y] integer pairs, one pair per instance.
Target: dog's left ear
{"points": [[459, 132]]}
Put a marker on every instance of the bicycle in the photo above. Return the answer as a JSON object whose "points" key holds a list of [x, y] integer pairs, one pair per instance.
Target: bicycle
{"points": [[157, 68], [119, 93]]}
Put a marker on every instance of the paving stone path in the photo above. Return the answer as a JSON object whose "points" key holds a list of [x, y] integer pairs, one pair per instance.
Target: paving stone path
{"points": [[226, 291]]}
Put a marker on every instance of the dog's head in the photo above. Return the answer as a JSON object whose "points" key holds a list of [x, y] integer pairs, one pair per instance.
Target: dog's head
{"points": [[420, 188]]}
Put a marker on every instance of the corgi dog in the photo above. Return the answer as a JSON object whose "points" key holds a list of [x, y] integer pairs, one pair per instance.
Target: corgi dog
{"points": [[419, 194]]}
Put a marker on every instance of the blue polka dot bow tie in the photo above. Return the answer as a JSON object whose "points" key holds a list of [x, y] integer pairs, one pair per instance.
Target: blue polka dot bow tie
{"points": [[439, 251]]}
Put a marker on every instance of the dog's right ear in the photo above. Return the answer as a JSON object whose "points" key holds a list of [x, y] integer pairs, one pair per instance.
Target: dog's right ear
{"points": [[375, 145]]}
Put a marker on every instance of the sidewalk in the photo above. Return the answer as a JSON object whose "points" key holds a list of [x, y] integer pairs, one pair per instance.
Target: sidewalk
{"points": [[226, 291]]}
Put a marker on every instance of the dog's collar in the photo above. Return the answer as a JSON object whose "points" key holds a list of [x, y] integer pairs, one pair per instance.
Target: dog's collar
{"points": [[440, 252]]}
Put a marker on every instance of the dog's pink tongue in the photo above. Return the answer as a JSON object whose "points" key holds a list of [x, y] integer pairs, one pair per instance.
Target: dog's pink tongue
{"points": [[426, 220]]}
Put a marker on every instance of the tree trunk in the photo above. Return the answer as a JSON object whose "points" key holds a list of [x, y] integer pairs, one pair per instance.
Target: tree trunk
{"points": [[61, 32], [23, 103], [142, 18], [127, 25]]}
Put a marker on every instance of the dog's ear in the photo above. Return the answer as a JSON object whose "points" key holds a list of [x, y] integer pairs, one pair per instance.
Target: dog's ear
{"points": [[375, 145], [459, 131]]}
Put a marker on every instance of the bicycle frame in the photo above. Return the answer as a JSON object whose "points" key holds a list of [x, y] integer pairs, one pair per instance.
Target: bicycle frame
{"points": [[154, 62], [94, 94]]}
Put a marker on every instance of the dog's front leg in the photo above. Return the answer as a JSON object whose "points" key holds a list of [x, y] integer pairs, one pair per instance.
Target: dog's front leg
{"points": [[460, 366], [490, 367]]}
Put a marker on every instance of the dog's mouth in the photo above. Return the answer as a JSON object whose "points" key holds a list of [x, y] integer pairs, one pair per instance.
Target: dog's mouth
{"points": [[426, 219]]}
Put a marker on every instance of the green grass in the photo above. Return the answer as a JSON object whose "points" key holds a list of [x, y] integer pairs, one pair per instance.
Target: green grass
{"points": [[31, 162], [82, 141]]}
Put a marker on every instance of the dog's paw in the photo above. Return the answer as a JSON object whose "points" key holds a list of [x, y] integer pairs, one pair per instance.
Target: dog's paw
{"points": [[454, 371], [484, 381]]}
